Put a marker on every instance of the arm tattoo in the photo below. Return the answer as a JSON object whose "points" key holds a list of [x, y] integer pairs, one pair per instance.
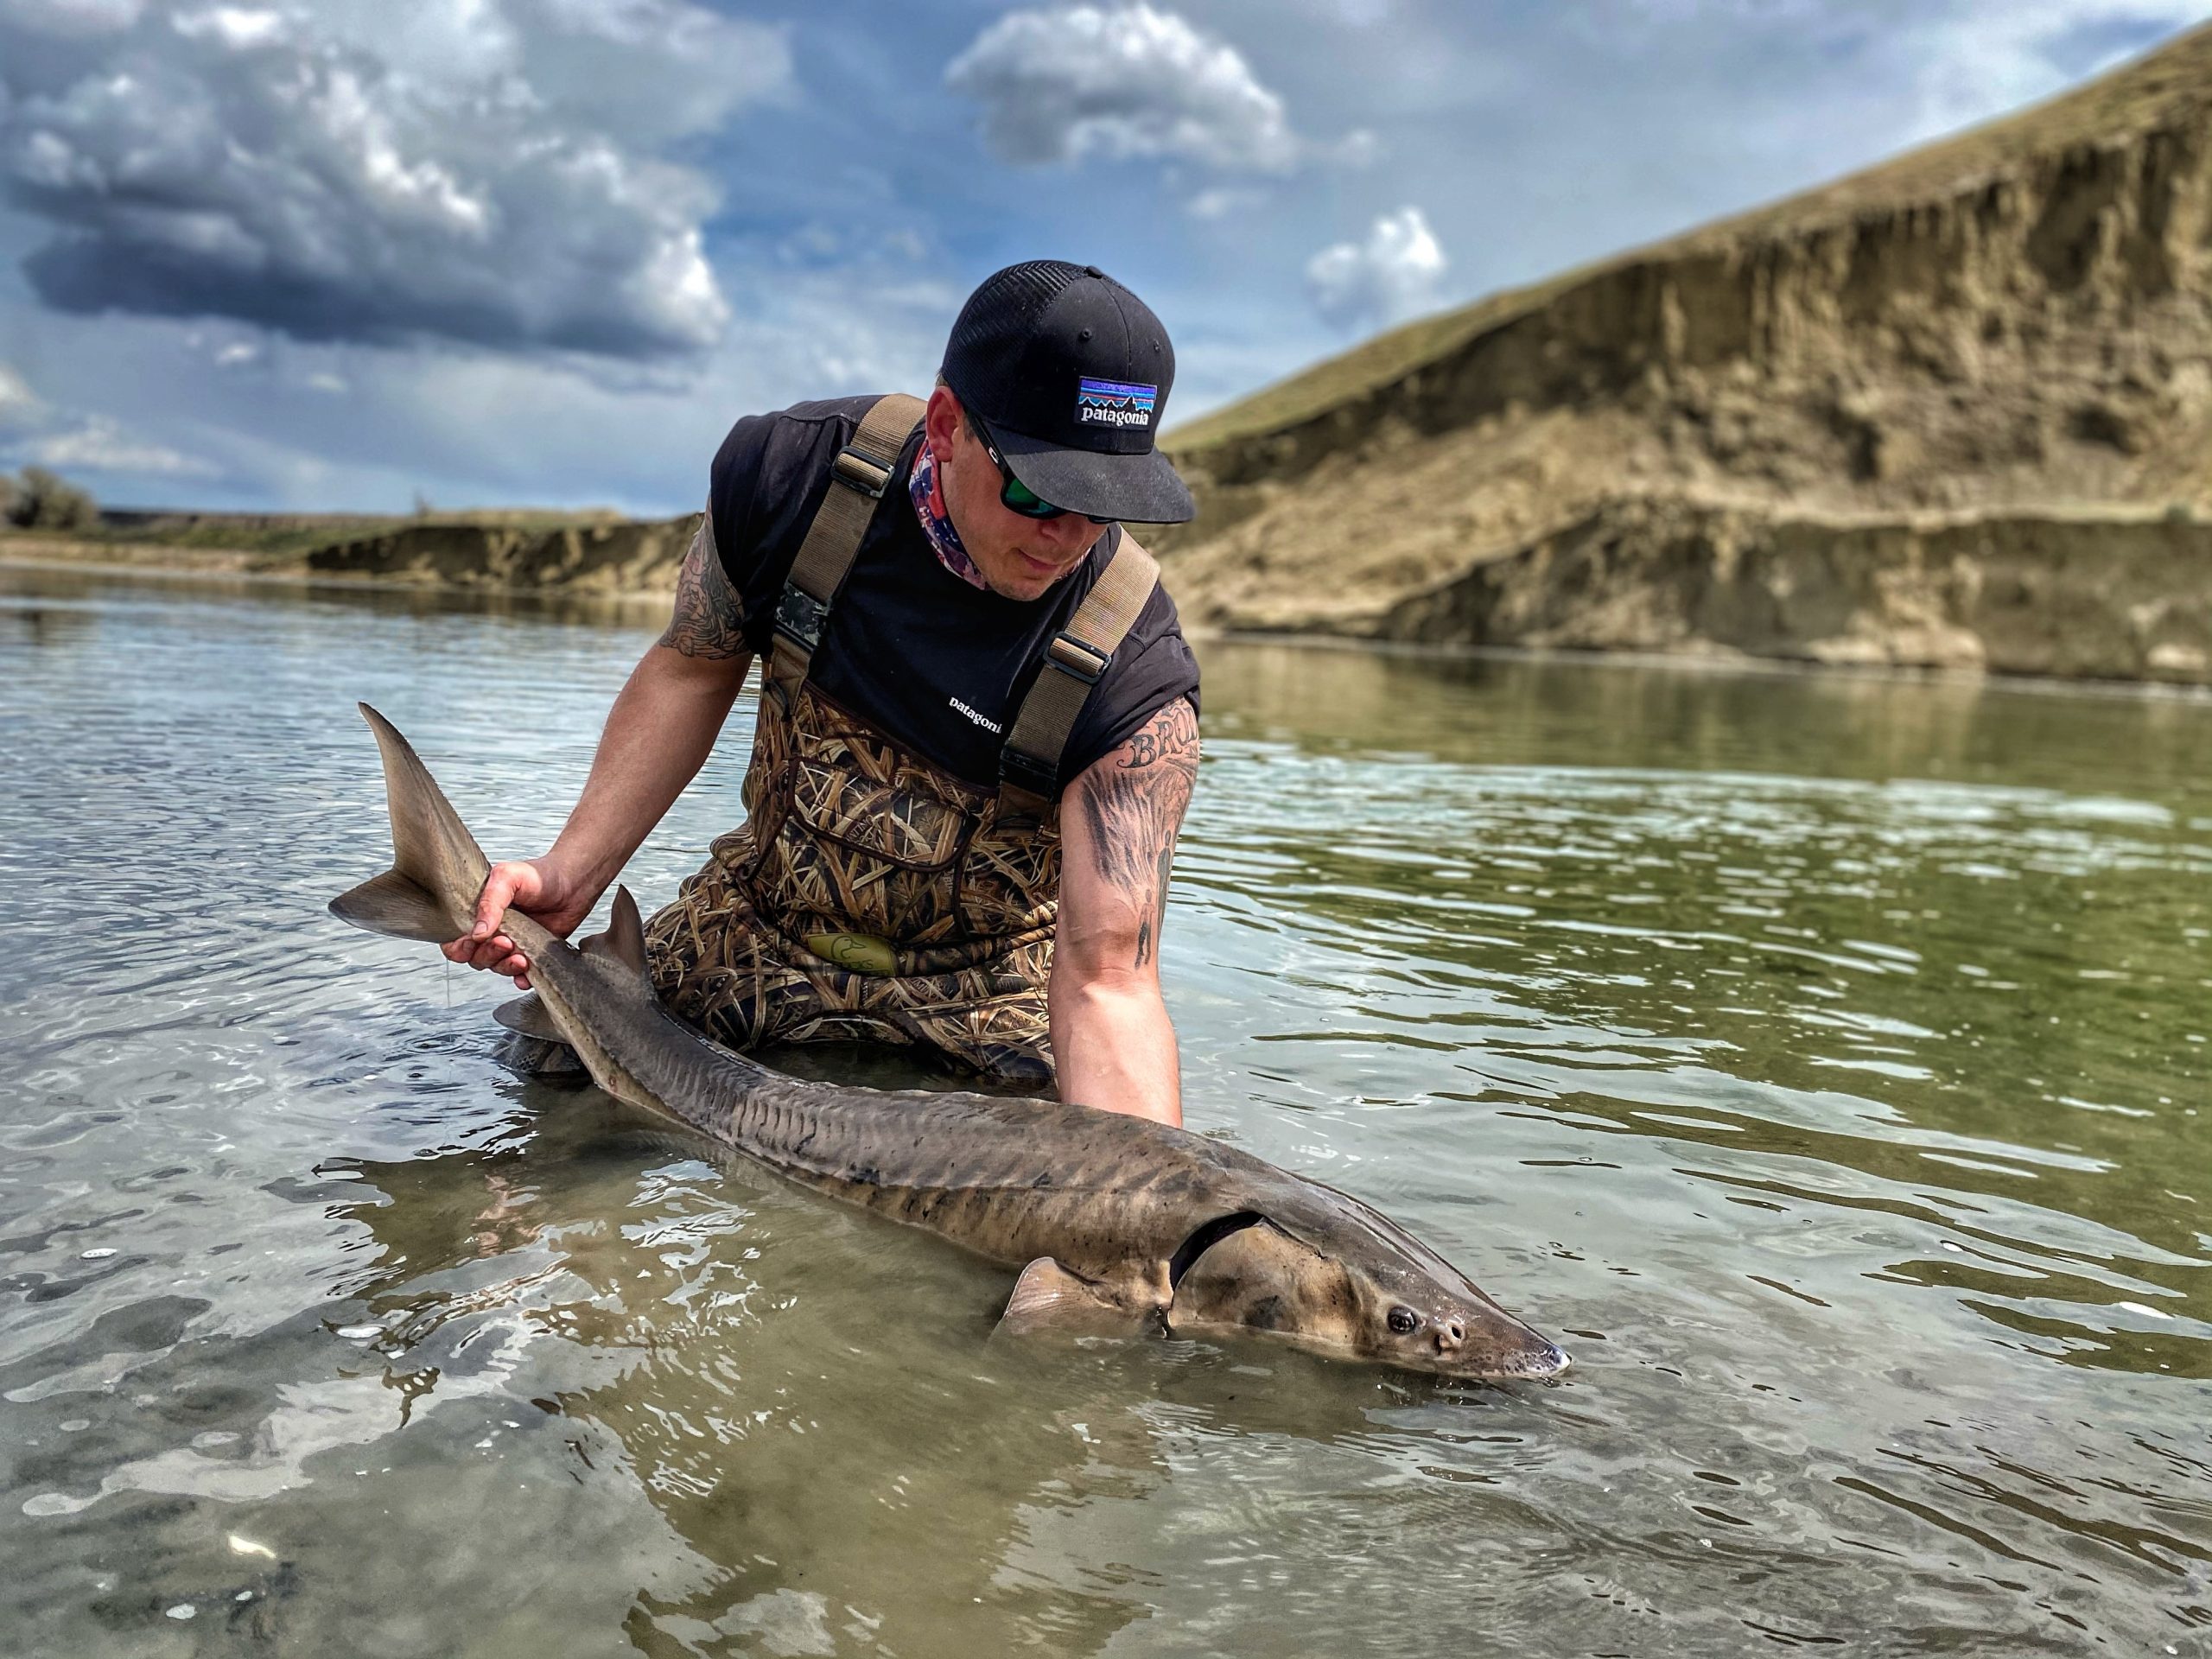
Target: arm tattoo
{"points": [[709, 615], [1133, 806]]}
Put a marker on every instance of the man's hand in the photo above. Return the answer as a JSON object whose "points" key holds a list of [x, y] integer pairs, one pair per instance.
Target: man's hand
{"points": [[542, 890]]}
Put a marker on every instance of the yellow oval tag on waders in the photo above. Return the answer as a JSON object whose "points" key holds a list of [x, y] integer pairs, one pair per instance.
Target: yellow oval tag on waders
{"points": [[858, 953]]}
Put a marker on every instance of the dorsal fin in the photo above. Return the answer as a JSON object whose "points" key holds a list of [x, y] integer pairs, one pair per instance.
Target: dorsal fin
{"points": [[625, 939]]}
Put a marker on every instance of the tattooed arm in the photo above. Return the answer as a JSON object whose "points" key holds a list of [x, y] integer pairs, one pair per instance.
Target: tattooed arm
{"points": [[1118, 823], [658, 735]]}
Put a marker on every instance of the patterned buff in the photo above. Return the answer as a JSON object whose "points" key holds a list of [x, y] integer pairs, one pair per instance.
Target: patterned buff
{"points": [[937, 522]]}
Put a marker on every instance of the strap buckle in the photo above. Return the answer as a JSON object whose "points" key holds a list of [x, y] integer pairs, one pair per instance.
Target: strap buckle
{"points": [[856, 472], [800, 616], [1074, 657], [1026, 772]]}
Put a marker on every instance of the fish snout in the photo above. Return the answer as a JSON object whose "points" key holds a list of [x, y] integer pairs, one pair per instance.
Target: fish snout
{"points": [[1503, 1348], [1540, 1359], [1451, 1335]]}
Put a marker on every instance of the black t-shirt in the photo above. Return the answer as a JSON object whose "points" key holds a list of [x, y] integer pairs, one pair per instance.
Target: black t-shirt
{"points": [[919, 654]]}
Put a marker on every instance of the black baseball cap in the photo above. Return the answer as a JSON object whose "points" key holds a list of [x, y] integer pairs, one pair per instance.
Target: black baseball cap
{"points": [[1070, 373]]}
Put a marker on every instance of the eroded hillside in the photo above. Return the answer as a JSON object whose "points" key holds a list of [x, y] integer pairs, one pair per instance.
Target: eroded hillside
{"points": [[2015, 324]]}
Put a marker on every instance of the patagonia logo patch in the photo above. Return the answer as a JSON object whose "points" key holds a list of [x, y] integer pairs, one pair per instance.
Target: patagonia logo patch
{"points": [[1114, 403]]}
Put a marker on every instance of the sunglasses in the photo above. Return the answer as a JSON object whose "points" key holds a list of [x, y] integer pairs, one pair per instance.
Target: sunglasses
{"points": [[1013, 495]]}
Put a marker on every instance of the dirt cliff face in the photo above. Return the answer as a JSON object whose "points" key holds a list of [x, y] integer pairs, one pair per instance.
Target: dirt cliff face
{"points": [[614, 559], [2109, 595], [2010, 330]]}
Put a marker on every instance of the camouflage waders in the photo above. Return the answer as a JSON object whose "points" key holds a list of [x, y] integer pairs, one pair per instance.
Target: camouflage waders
{"points": [[869, 896]]}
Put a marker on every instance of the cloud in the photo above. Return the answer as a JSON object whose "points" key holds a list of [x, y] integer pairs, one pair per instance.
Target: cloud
{"points": [[1387, 278], [19, 405], [1975, 60], [484, 171], [1221, 200], [32, 432], [1125, 81], [99, 445], [70, 18]]}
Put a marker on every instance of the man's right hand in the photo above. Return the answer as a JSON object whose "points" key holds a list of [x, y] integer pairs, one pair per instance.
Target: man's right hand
{"points": [[539, 888]]}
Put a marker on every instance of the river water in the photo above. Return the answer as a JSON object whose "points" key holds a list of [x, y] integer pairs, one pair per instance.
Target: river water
{"points": [[1823, 1061]]}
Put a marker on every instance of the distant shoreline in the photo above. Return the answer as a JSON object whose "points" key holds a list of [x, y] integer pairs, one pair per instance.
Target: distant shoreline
{"points": [[217, 567]]}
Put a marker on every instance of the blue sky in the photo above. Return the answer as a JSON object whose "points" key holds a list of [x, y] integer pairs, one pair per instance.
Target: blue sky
{"points": [[331, 254]]}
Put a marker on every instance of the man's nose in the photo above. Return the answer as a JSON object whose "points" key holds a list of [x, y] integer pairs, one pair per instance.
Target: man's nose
{"points": [[1069, 531]]}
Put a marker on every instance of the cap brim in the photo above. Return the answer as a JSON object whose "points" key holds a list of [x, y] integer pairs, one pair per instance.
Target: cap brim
{"points": [[1140, 489]]}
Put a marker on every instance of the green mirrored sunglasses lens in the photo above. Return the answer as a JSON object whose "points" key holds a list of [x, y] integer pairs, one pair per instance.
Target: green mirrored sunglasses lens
{"points": [[1022, 499], [1016, 496]]}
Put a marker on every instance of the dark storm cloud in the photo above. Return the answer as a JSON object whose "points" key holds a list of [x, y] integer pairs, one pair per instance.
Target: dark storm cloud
{"points": [[380, 170]]}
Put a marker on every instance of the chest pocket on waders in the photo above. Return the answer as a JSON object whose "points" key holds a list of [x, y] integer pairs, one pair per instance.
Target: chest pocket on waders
{"points": [[872, 840]]}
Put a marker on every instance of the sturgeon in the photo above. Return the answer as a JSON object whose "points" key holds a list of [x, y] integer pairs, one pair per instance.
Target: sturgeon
{"points": [[1116, 1225]]}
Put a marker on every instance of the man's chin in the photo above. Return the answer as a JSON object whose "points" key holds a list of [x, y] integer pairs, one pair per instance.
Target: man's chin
{"points": [[1024, 578]]}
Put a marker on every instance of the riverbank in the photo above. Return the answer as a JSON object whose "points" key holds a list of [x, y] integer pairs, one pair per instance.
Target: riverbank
{"points": [[616, 562], [2113, 594], [2119, 599]]}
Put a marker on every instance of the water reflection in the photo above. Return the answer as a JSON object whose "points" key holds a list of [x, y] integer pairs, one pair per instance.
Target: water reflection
{"points": [[808, 1397]]}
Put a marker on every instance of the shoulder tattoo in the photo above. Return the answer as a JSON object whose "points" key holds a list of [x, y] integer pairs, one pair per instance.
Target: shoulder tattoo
{"points": [[709, 617], [1133, 803]]}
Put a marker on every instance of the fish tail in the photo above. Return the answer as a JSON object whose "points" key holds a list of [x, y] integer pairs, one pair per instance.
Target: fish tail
{"points": [[437, 869]]}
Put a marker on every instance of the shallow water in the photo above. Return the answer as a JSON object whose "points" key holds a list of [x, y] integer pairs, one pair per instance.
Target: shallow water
{"points": [[1824, 1061]]}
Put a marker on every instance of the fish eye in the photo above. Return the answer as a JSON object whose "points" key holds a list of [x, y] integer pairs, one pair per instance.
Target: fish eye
{"points": [[1404, 1320]]}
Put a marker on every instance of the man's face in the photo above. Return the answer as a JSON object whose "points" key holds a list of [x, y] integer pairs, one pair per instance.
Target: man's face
{"points": [[1019, 557]]}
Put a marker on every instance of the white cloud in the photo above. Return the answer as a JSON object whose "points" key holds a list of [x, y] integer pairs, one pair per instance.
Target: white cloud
{"points": [[1387, 278], [1120, 82], [238, 28], [1979, 58], [99, 445], [1221, 201], [19, 405], [480, 170], [1356, 149], [70, 19]]}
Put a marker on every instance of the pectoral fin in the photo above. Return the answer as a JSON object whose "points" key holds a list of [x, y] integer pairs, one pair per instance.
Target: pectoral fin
{"points": [[537, 1049], [1048, 1300], [528, 1016]]}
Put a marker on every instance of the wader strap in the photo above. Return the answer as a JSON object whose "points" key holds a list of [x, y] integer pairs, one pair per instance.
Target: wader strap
{"points": [[1029, 765], [858, 478]]}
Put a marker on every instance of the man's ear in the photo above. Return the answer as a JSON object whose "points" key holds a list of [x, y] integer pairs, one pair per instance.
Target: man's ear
{"points": [[943, 421]]}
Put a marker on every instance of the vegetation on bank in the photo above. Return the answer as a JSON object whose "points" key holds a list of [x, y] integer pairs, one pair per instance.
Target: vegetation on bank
{"points": [[57, 511], [39, 499]]}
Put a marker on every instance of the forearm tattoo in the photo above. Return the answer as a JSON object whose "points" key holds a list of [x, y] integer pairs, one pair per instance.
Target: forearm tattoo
{"points": [[1133, 806], [709, 615]]}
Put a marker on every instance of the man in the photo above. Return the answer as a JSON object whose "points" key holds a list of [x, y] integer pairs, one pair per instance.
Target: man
{"points": [[978, 725]]}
